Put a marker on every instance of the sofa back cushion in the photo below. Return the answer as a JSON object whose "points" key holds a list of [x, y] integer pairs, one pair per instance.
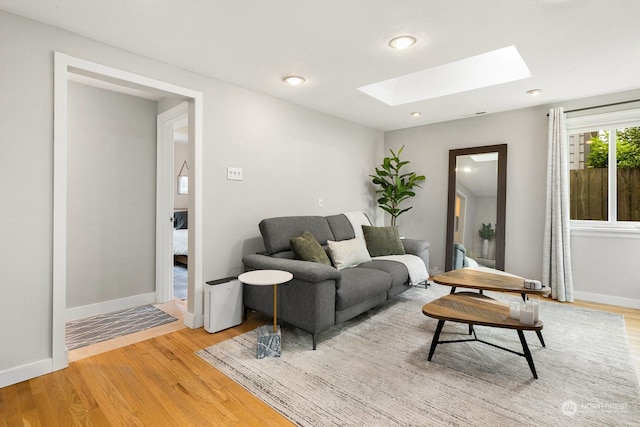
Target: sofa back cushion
{"points": [[340, 227], [277, 232]]}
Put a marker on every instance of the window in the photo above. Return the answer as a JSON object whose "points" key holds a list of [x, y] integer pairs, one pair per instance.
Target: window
{"points": [[604, 168]]}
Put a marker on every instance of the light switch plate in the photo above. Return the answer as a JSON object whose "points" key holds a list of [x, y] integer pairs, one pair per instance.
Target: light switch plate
{"points": [[234, 174]]}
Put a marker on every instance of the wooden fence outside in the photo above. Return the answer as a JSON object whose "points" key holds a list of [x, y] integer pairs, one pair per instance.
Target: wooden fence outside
{"points": [[589, 193]]}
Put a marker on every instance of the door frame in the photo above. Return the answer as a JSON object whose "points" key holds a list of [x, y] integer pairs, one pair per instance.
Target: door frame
{"points": [[64, 66], [166, 123]]}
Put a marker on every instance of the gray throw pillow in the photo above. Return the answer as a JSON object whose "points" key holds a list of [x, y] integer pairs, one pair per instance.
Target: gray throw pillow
{"points": [[382, 241], [306, 248]]}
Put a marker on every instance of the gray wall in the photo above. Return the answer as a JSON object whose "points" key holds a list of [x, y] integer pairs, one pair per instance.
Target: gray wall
{"points": [[111, 195], [525, 132], [290, 156], [596, 256]]}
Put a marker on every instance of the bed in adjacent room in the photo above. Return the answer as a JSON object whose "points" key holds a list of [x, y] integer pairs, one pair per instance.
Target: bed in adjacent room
{"points": [[180, 237]]}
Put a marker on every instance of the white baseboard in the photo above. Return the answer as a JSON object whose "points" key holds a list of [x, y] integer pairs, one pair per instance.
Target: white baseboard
{"points": [[84, 311], [192, 321], [25, 372], [607, 299]]}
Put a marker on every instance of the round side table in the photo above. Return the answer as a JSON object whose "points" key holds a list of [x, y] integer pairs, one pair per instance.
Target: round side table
{"points": [[268, 278]]}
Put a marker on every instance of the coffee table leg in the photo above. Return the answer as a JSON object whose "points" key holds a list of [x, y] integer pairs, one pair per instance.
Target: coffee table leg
{"points": [[436, 338], [527, 353]]}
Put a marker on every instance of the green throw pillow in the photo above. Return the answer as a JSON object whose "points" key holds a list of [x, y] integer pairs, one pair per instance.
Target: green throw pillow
{"points": [[306, 248], [382, 241]]}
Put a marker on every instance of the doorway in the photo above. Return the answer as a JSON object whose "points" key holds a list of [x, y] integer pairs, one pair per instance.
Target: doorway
{"points": [[461, 208], [181, 209], [173, 139], [64, 67]]}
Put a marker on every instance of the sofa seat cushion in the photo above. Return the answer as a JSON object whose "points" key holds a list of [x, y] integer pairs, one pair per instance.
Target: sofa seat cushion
{"points": [[358, 284], [398, 272]]}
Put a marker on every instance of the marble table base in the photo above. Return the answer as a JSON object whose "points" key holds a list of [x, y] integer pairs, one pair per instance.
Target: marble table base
{"points": [[268, 342]]}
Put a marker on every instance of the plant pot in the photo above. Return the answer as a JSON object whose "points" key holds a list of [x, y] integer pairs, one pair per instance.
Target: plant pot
{"points": [[485, 249]]}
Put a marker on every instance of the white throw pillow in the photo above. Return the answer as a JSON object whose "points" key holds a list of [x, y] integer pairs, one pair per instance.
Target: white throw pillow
{"points": [[348, 253]]}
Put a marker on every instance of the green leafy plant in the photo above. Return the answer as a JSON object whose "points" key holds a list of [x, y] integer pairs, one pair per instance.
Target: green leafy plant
{"points": [[627, 149], [395, 186], [486, 232]]}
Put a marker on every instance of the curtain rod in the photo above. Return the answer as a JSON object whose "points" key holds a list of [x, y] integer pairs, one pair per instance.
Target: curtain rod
{"points": [[601, 106]]}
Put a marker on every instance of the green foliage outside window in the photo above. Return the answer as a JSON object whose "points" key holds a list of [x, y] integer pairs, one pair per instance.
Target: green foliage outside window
{"points": [[627, 149]]}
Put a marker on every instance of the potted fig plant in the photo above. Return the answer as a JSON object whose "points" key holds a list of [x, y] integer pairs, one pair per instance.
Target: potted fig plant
{"points": [[487, 234], [395, 186]]}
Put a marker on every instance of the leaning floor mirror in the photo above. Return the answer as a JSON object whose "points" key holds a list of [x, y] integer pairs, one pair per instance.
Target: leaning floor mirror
{"points": [[476, 207]]}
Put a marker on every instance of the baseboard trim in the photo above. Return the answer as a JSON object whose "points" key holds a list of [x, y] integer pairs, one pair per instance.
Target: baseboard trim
{"points": [[607, 299], [25, 372], [192, 321], [96, 309]]}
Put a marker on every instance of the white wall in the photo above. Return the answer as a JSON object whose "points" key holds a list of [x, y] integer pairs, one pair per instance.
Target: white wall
{"points": [[111, 196], [427, 147], [180, 152], [290, 157], [604, 265]]}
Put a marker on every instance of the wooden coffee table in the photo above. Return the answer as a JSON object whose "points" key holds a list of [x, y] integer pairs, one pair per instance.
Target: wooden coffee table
{"points": [[488, 280], [478, 309]]}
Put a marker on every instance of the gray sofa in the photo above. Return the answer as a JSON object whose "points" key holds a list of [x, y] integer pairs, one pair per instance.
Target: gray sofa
{"points": [[319, 295]]}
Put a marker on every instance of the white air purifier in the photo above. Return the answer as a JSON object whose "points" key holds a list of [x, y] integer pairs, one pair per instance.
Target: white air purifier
{"points": [[222, 304]]}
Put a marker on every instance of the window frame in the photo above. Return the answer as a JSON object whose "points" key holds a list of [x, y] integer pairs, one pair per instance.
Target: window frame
{"points": [[610, 121]]}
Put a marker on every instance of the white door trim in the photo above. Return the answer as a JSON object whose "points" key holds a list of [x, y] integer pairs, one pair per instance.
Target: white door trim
{"points": [[64, 65], [164, 199]]}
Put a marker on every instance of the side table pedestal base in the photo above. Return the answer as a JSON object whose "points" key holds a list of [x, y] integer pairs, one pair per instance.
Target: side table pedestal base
{"points": [[268, 342]]}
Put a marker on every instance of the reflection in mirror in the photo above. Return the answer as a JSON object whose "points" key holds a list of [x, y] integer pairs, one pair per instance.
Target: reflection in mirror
{"points": [[476, 207]]}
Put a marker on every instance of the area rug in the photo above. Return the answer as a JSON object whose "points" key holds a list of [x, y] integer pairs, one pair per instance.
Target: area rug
{"points": [[373, 371], [83, 332], [180, 276]]}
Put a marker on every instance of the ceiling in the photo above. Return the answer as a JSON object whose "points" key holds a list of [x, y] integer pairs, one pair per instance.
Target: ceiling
{"points": [[572, 48]]}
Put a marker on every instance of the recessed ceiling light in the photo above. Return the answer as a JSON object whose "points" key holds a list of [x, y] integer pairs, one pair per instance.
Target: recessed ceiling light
{"points": [[402, 42], [534, 92], [416, 114], [293, 80]]}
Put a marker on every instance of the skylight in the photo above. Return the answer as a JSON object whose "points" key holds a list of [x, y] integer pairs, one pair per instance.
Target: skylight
{"points": [[488, 69]]}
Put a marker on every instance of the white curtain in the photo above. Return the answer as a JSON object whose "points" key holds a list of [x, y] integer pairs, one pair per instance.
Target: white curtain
{"points": [[556, 270]]}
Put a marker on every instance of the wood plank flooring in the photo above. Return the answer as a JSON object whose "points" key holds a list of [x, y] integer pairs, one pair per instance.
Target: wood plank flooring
{"points": [[161, 382]]}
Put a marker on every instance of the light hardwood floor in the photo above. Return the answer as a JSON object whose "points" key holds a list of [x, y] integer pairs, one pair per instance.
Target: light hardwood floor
{"points": [[161, 382]]}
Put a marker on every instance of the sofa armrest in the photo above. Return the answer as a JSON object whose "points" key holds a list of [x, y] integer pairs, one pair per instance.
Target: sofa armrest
{"points": [[417, 247], [302, 270]]}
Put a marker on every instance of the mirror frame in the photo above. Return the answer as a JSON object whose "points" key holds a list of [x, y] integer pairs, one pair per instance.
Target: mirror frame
{"points": [[501, 149]]}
